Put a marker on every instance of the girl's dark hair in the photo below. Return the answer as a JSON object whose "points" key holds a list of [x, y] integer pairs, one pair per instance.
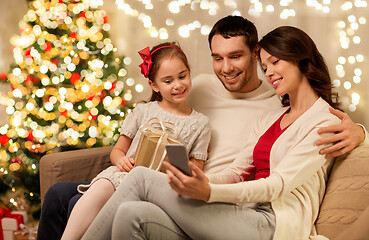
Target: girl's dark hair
{"points": [[233, 26], [294, 45], [158, 57]]}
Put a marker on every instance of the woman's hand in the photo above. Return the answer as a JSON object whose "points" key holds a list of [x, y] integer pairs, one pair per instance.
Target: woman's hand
{"points": [[348, 135], [124, 164], [196, 187]]}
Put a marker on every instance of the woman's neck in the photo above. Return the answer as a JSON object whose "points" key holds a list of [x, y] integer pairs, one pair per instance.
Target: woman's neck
{"points": [[300, 101], [176, 108], [303, 98]]}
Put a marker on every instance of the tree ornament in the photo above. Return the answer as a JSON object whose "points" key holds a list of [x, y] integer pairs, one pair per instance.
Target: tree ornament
{"points": [[75, 77], [30, 136], [82, 15], [3, 76], [55, 61], [27, 53], [106, 19], [73, 35], [4, 139], [47, 46]]}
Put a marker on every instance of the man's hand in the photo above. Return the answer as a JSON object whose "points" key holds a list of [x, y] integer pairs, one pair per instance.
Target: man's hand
{"points": [[124, 164], [196, 187], [347, 135]]}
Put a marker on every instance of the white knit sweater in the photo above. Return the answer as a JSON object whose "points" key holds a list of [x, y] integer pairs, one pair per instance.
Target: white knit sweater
{"points": [[231, 116]]}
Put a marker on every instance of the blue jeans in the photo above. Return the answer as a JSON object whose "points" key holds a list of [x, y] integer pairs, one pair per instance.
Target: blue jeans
{"points": [[58, 203], [145, 207]]}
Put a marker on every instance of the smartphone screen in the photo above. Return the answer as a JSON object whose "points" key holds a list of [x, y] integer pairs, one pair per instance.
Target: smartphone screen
{"points": [[177, 156]]}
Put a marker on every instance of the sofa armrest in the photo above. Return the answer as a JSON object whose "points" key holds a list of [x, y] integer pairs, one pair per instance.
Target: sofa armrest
{"points": [[347, 195], [77, 165], [358, 230]]}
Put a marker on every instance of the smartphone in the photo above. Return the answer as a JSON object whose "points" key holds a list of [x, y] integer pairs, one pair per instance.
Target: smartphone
{"points": [[177, 156]]}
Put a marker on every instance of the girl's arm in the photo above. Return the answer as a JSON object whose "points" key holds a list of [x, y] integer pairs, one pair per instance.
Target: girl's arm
{"points": [[198, 163], [118, 155], [199, 150]]}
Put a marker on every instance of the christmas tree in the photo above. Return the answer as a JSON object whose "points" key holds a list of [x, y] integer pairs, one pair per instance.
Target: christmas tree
{"points": [[66, 90]]}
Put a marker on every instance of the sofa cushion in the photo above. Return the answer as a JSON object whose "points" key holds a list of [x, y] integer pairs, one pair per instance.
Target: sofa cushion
{"points": [[347, 194], [78, 165]]}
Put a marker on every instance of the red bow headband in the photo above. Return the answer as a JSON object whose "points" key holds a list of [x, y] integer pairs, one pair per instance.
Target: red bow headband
{"points": [[146, 57]]}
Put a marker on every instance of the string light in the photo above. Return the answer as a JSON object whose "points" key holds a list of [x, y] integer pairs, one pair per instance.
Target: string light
{"points": [[174, 8], [347, 36]]}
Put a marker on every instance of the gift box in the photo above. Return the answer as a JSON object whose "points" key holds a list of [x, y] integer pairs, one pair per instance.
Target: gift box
{"points": [[155, 135], [10, 221], [25, 235]]}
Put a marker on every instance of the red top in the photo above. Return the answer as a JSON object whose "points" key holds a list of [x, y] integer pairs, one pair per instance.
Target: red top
{"points": [[261, 154]]}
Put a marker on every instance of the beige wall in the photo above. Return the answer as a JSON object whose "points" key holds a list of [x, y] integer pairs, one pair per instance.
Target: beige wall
{"points": [[10, 14], [129, 36]]}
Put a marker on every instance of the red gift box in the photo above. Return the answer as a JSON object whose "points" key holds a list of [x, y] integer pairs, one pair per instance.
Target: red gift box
{"points": [[9, 219]]}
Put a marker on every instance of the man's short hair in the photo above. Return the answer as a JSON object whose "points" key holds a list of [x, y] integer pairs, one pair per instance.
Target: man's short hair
{"points": [[233, 26]]}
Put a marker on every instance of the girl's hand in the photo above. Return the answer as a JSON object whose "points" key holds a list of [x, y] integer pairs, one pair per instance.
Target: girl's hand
{"points": [[196, 187], [198, 163], [118, 155], [124, 164]]}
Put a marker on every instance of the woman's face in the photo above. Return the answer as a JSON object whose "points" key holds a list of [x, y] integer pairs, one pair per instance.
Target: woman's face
{"points": [[285, 76]]}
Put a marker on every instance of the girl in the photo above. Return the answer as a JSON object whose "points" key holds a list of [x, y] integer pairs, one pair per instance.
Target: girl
{"points": [[168, 72], [271, 191]]}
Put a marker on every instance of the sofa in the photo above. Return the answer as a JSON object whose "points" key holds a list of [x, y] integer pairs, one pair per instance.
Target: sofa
{"points": [[344, 213]]}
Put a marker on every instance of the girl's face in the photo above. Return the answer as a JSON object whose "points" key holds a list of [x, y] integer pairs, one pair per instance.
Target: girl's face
{"points": [[172, 80], [284, 76]]}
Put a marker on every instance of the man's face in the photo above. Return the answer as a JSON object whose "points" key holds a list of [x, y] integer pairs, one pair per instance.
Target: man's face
{"points": [[234, 63]]}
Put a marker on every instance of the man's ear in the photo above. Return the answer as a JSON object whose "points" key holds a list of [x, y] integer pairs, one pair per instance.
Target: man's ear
{"points": [[153, 86], [255, 53]]}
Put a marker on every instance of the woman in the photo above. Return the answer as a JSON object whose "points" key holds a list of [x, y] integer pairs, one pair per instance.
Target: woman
{"points": [[272, 190]]}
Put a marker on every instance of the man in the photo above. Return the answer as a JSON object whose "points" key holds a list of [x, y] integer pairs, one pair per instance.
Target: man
{"points": [[232, 99]]}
